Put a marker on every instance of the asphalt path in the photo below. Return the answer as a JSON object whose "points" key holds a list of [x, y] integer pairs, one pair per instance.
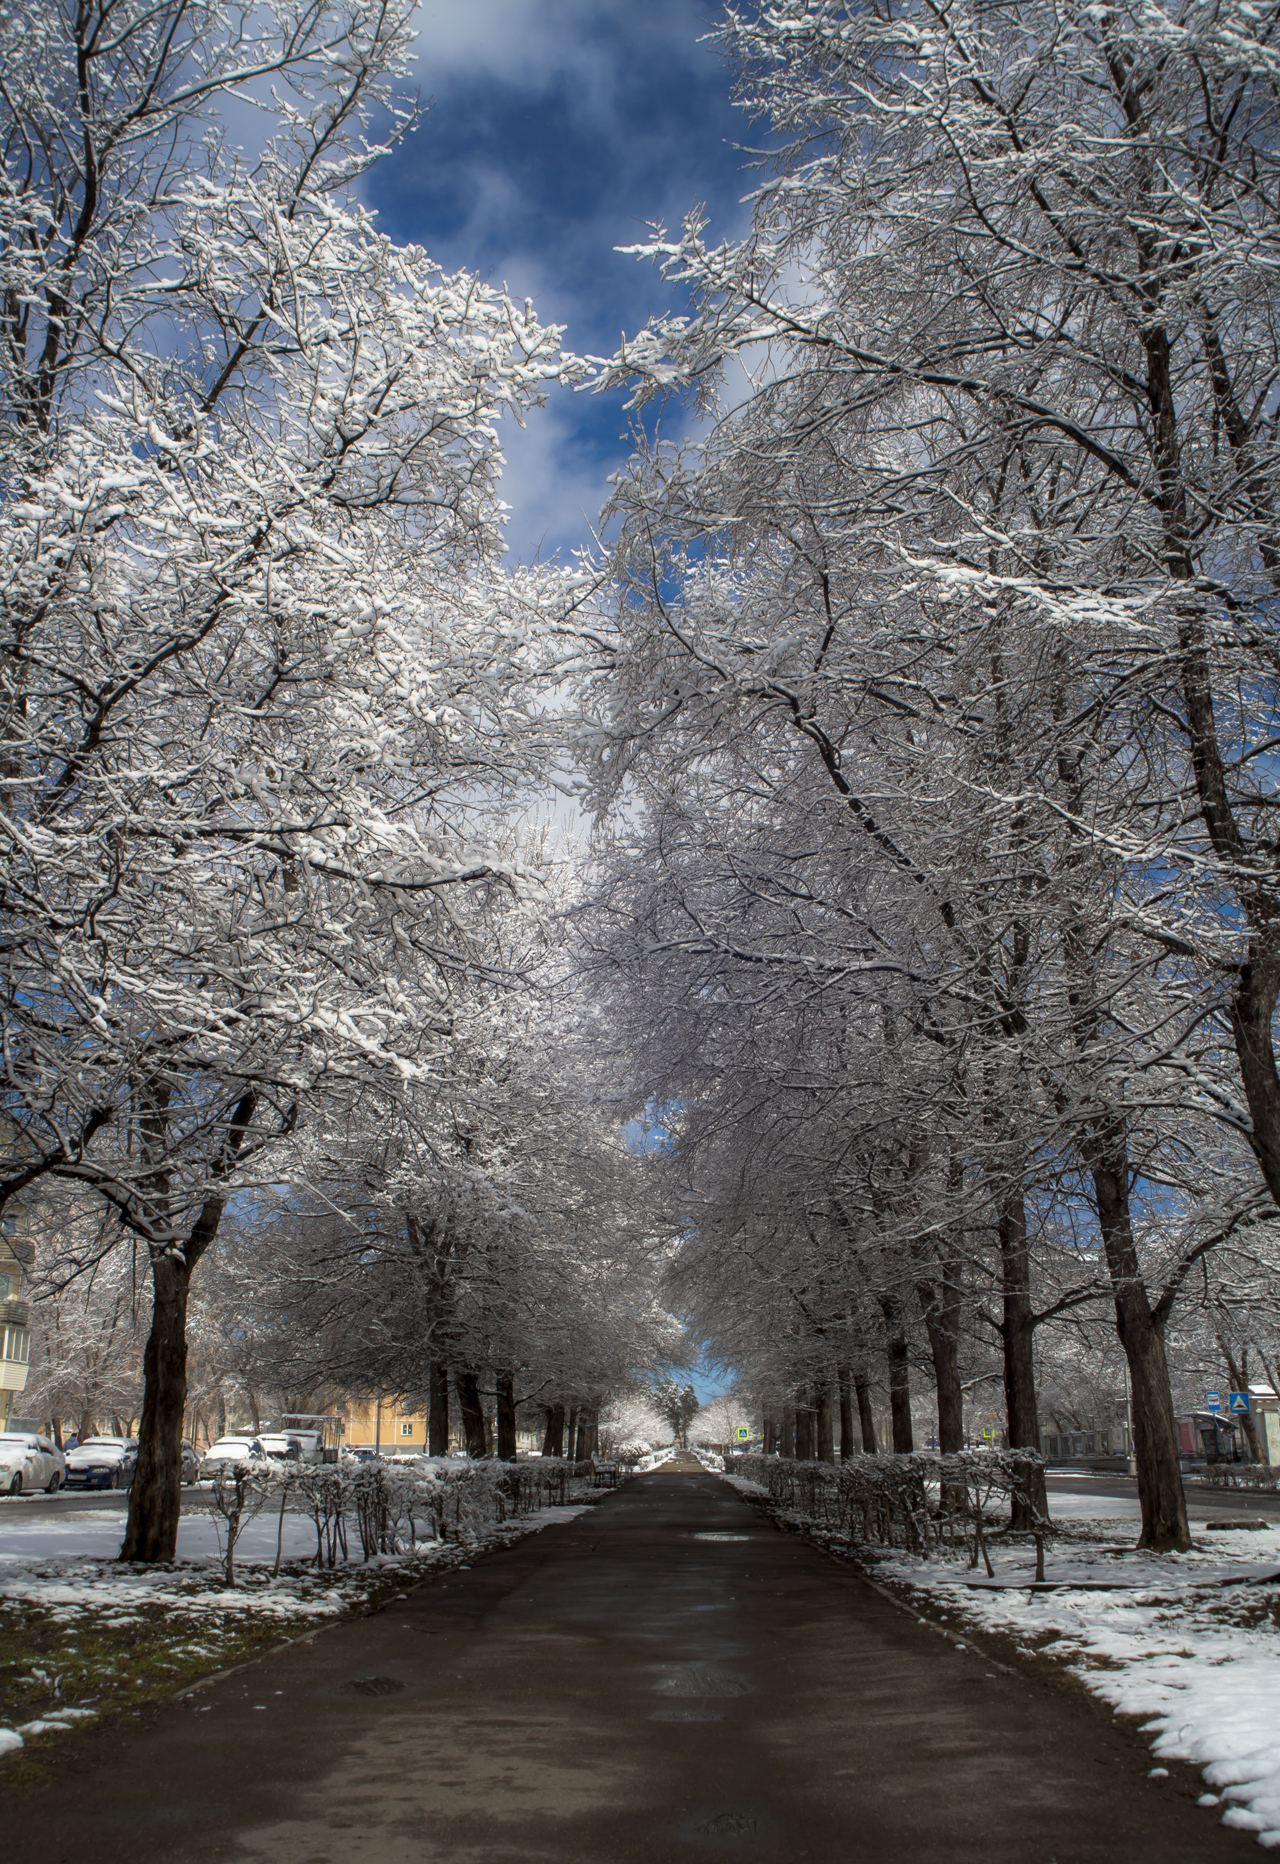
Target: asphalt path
{"points": [[667, 1679], [1202, 1497]]}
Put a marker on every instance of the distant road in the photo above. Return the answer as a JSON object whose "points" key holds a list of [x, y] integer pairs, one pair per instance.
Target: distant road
{"points": [[1201, 1496], [71, 1501]]}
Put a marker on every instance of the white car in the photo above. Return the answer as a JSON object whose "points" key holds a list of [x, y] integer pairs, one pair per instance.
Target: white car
{"points": [[29, 1461], [228, 1450], [308, 1445]]}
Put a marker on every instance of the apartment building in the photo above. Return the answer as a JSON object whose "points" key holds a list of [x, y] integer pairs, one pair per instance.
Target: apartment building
{"points": [[15, 1315]]}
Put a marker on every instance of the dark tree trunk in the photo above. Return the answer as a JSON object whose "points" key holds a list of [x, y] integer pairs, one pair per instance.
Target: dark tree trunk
{"points": [[588, 1433], [438, 1407], [1141, 1331], [804, 1433], [472, 1410], [1017, 1334], [845, 1382], [155, 1501], [1238, 1372], [553, 1437], [940, 1306], [571, 1449], [506, 1389], [787, 1441], [151, 1531], [866, 1416], [770, 1434], [826, 1424], [941, 1296], [899, 1374]]}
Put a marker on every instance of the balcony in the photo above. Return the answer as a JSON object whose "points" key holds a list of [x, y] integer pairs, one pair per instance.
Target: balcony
{"points": [[15, 1313]]}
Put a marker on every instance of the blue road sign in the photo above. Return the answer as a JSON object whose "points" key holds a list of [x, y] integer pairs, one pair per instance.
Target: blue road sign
{"points": [[1237, 1401], [1213, 1401], [743, 1433]]}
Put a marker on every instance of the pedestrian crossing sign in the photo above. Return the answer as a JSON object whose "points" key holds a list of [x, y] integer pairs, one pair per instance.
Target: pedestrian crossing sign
{"points": [[743, 1433], [1237, 1401]]}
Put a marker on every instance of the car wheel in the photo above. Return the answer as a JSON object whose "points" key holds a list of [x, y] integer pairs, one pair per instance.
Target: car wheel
{"points": [[54, 1483], [15, 1487]]}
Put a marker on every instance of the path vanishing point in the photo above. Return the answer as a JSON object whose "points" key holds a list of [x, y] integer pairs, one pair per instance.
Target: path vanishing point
{"points": [[667, 1679]]}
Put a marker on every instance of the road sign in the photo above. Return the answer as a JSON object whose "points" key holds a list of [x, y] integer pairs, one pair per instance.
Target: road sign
{"points": [[1237, 1401], [1213, 1401], [743, 1433]]}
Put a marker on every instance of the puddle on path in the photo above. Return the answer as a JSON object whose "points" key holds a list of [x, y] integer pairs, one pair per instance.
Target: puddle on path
{"points": [[699, 1679]]}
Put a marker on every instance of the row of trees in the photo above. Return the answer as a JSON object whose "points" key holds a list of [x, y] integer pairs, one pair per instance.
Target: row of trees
{"points": [[269, 700], [933, 736]]}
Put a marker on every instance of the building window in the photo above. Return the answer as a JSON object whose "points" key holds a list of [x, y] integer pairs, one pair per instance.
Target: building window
{"points": [[406, 1430], [17, 1345]]}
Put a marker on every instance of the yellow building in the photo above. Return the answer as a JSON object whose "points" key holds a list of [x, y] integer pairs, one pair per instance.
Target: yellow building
{"points": [[15, 1333], [387, 1425]]}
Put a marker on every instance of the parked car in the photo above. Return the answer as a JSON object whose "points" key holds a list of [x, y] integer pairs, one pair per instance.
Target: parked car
{"points": [[310, 1443], [282, 1446], [224, 1452], [30, 1461], [102, 1463]]}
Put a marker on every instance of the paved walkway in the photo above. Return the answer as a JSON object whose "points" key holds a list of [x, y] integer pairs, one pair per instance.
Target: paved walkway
{"points": [[665, 1680]]}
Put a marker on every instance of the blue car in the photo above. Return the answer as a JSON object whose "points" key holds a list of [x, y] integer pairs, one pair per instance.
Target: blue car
{"points": [[102, 1463]]}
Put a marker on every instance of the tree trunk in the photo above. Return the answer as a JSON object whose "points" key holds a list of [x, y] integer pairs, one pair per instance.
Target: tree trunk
{"points": [[1017, 1334], [826, 1423], [940, 1306], [787, 1441], [506, 1389], [588, 1434], [438, 1407], [468, 1384], [845, 1382], [1238, 1373], [866, 1416], [553, 1437], [804, 1433], [899, 1374], [1141, 1331], [155, 1501], [571, 1447], [770, 1434]]}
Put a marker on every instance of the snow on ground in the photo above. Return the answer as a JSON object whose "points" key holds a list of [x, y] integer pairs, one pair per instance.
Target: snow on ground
{"points": [[1190, 1641], [96, 1533]]}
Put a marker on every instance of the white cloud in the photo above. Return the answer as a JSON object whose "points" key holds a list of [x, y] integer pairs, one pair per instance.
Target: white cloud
{"points": [[532, 43]]}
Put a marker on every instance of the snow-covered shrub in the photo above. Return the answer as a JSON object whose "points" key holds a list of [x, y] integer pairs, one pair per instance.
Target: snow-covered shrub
{"points": [[911, 1501]]}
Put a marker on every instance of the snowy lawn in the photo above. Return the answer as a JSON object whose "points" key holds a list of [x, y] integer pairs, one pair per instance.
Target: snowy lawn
{"points": [[82, 1636], [1189, 1642]]}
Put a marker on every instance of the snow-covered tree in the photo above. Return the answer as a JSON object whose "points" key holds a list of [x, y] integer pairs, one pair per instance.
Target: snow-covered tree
{"points": [[264, 683]]}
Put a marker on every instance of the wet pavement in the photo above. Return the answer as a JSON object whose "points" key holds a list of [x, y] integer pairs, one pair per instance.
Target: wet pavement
{"points": [[665, 1680]]}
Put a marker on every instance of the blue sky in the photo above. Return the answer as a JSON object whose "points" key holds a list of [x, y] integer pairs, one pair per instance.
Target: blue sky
{"points": [[557, 129]]}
